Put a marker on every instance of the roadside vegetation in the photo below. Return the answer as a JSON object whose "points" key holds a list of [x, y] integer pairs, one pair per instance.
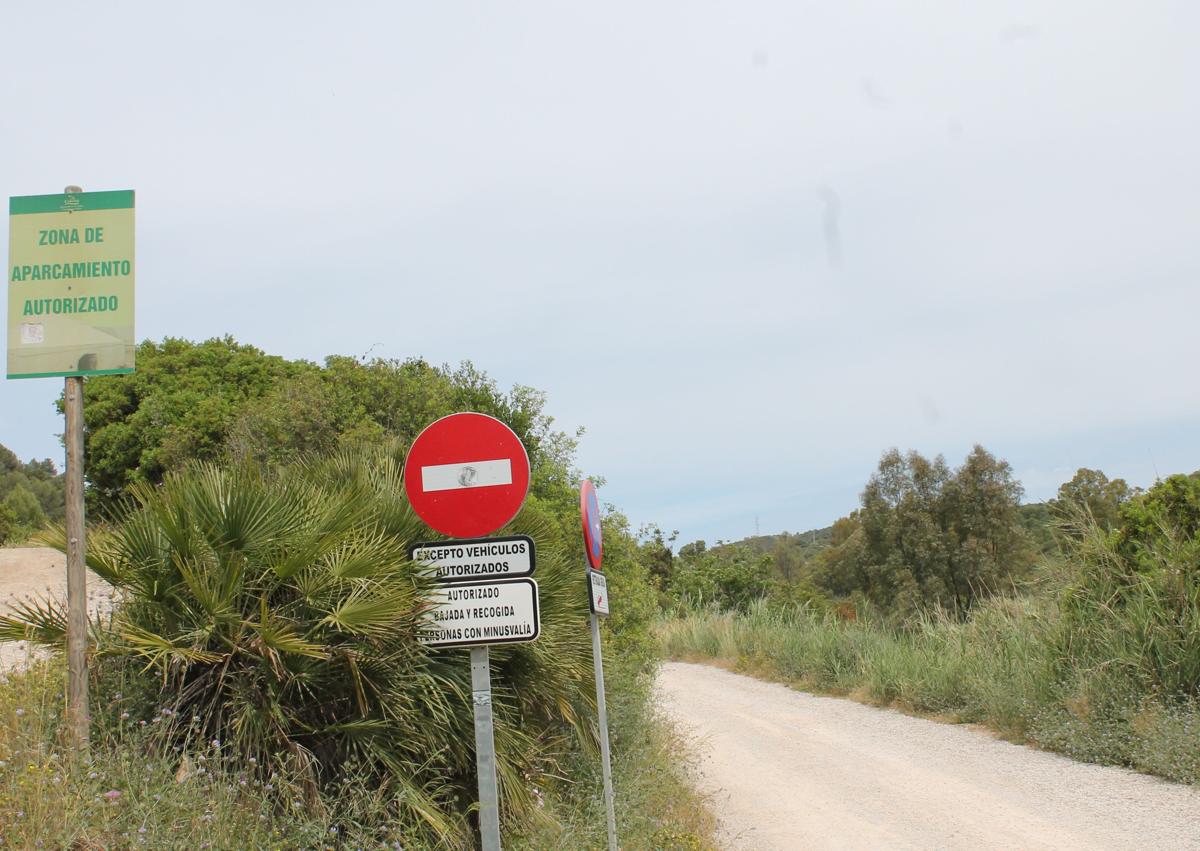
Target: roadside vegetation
{"points": [[31, 494], [1081, 637], [259, 682]]}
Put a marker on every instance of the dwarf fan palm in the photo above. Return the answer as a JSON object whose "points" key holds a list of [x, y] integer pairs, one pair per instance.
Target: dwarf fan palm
{"points": [[278, 612]]}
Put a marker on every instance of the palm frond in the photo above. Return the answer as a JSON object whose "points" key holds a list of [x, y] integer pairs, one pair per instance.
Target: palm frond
{"points": [[282, 637], [42, 622], [160, 651], [369, 610]]}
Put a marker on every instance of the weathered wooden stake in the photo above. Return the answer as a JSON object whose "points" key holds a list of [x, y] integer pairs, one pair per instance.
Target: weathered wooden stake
{"points": [[77, 674]]}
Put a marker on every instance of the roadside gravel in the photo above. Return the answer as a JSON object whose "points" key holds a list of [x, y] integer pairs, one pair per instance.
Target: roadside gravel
{"points": [[38, 572]]}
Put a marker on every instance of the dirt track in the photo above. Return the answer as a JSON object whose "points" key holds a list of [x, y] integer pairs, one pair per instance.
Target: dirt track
{"points": [[33, 572], [789, 770]]}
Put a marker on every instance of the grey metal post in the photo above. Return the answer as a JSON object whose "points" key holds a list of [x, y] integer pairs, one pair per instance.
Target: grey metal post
{"points": [[485, 749], [598, 663]]}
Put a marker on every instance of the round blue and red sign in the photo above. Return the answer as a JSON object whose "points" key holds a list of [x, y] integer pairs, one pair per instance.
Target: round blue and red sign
{"points": [[589, 509]]}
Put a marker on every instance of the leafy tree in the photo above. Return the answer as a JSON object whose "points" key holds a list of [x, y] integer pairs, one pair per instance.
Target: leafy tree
{"points": [[1096, 494], [840, 568], [8, 524], [634, 650], [1170, 507], [654, 552], [305, 414], [8, 460], [38, 478], [24, 508], [1131, 616], [803, 592], [1039, 522], [930, 536], [786, 559], [222, 399], [177, 407], [695, 549]]}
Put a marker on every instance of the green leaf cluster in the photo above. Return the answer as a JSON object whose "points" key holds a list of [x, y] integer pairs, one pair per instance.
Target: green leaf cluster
{"points": [[221, 400], [1094, 493]]}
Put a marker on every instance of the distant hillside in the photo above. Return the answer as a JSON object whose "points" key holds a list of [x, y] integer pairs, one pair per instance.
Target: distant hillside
{"points": [[1035, 517], [807, 543]]}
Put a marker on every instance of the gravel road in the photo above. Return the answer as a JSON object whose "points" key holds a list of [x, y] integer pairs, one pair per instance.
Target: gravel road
{"points": [[38, 572], [789, 770]]}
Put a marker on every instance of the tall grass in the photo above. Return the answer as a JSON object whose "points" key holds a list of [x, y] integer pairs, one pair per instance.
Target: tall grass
{"points": [[1003, 667], [130, 794], [986, 669], [656, 807]]}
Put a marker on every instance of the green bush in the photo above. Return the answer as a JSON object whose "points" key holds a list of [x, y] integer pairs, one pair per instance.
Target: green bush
{"points": [[734, 580], [37, 479], [8, 524], [1132, 610], [25, 510], [278, 612]]}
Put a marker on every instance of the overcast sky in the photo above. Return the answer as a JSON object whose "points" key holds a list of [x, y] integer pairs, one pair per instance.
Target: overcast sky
{"points": [[749, 245]]}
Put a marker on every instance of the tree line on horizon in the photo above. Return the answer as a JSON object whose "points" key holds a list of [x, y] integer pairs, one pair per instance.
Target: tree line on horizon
{"points": [[925, 536]]}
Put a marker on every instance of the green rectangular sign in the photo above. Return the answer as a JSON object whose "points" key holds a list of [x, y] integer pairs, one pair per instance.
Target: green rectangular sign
{"points": [[70, 284]]}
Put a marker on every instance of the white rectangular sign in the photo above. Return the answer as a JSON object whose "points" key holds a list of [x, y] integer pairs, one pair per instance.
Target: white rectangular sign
{"points": [[498, 612], [597, 592], [476, 558], [468, 474]]}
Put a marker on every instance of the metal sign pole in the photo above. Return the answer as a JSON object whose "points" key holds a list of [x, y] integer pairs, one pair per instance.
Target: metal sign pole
{"points": [[598, 663], [485, 749]]}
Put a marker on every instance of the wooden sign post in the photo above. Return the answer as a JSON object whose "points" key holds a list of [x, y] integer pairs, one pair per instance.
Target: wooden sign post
{"points": [[70, 314]]}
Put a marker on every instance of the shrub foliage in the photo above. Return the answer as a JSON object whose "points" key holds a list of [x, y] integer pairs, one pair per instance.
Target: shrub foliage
{"points": [[278, 612]]}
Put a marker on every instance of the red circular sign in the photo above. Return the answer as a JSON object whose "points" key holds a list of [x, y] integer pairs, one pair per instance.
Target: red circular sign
{"points": [[466, 475], [589, 510]]}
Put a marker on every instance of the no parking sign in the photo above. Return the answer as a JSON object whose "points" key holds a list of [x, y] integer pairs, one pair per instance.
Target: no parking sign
{"points": [[589, 511], [597, 582]]}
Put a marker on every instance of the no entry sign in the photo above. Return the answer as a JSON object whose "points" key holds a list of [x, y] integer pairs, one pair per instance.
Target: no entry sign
{"points": [[466, 475], [589, 511]]}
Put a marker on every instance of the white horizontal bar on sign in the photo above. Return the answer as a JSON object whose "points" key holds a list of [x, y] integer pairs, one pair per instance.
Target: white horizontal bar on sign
{"points": [[468, 474]]}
